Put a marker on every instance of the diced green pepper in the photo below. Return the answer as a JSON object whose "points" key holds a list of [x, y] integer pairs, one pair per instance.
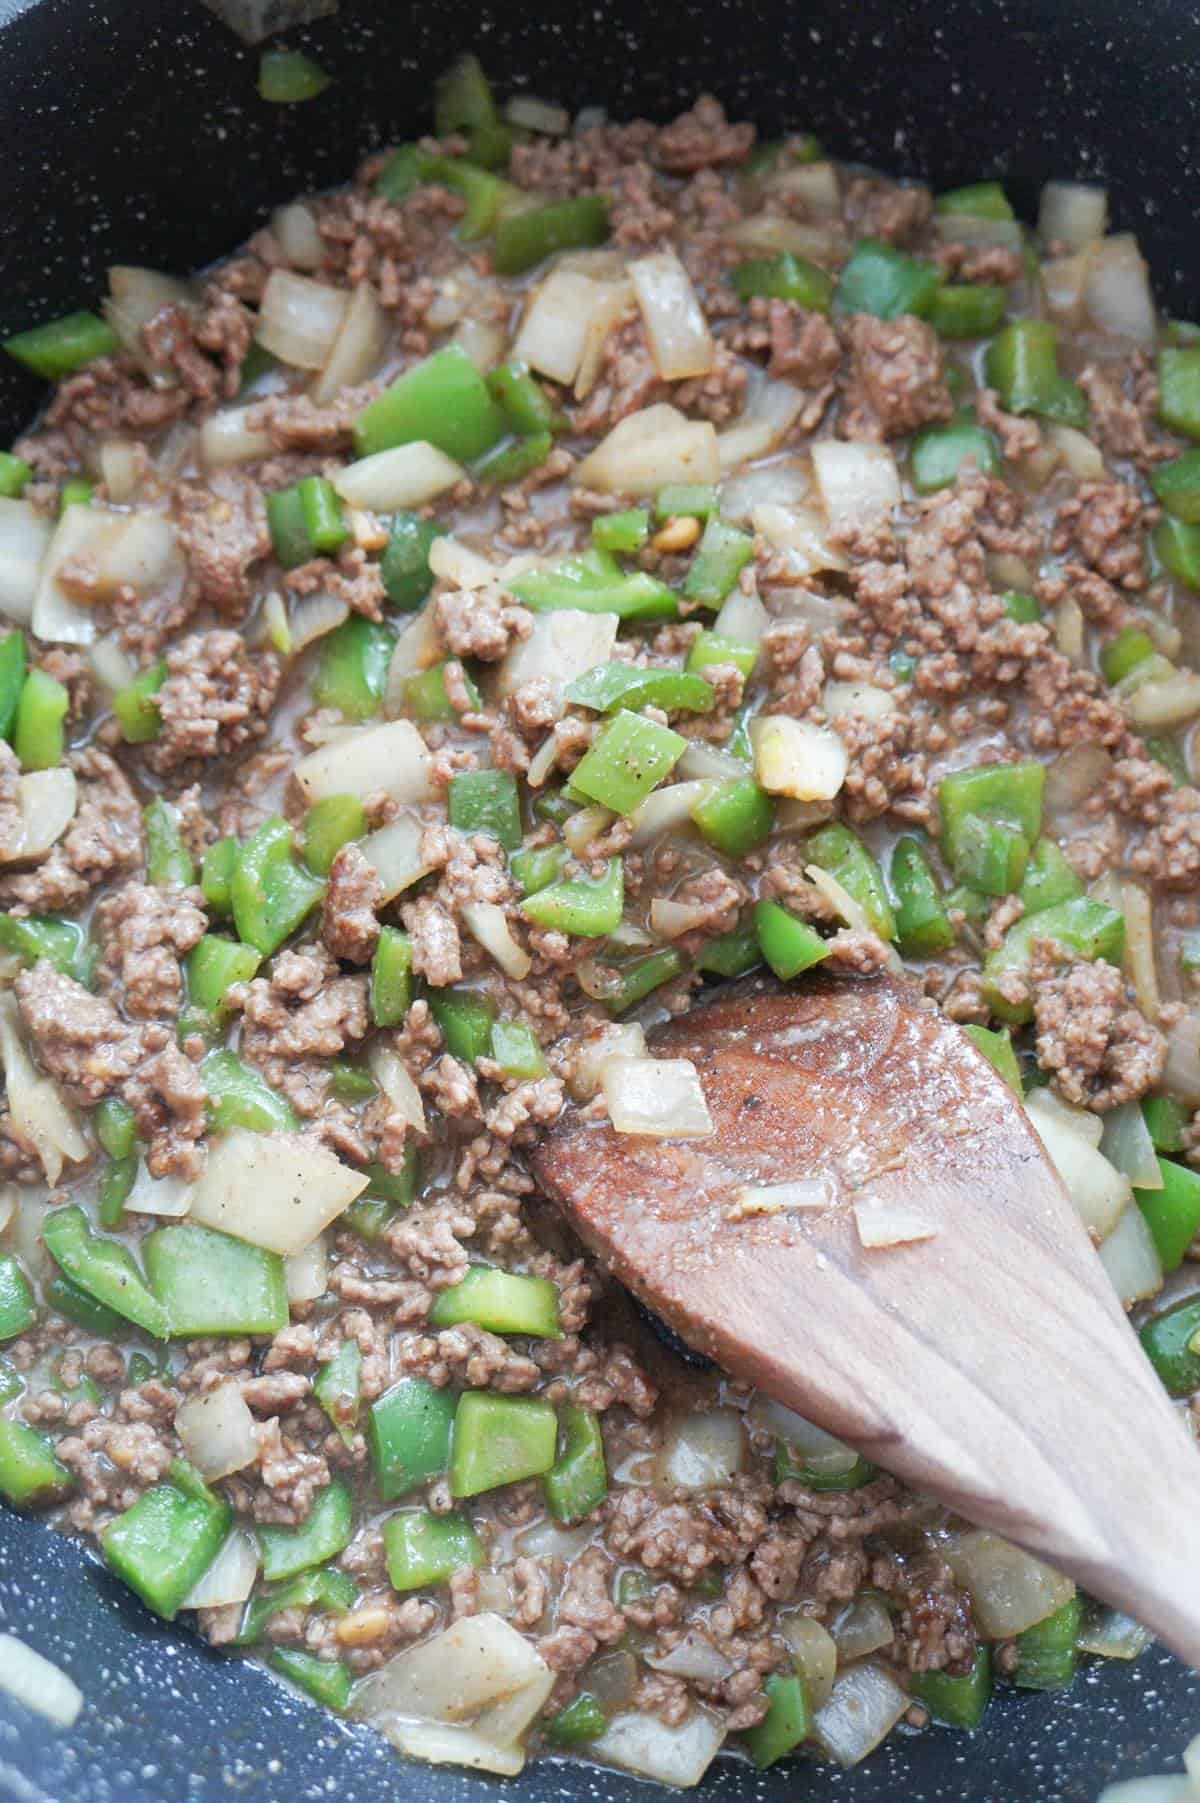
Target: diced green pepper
{"points": [[12, 679], [38, 731], [216, 876], [957, 1700], [628, 759], [989, 855], [62, 346], [501, 1301], [463, 100], [577, 1483], [330, 823], [239, 1097], [135, 707], [626, 532], [685, 500], [537, 866], [332, 1591], [116, 1127], [997, 1048], [842, 853], [30, 1472], [1178, 547], [1011, 793], [352, 667], [323, 518], [209, 1283], [1024, 609], [882, 280], [165, 1543], [788, 1720], [821, 1473], [634, 980], [526, 238], [500, 1440], [588, 907], [1167, 1341], [923, 926], [788, 944], [322, 1535], [18, 1310], [105, 1269], [400, 175], [979, 200], [63, 942], [711, 648], [424, 1549], [1046, 1655], [785, 277], [939, 452], [721, 556], [75, 493], [443, 401], [288, 76], [517, 1050], [1177, 485], [1131, 647], [66, 1298], [14, 475], [1049, 878], [968, 309], [465, 1018], [289, 529], [608, 687], [486, 801], [327, 1681], [338, 1389], [214, 966], [1086, 927], [427, 698], [580, 1721], [731, 954], [269, 892], [527, 406], [735, 817], [168, 860], [391, 977], [1179, 390], [1172, 1213], [1022, 365], [115, 1188], [511, 461], [1165, 1120], [404, 566], [409, 1431]]}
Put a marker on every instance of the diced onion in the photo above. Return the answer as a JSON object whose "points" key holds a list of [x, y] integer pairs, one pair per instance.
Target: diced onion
{"points": [[230, 1577], [120, 469], [1072, 213], [554, 329], [46, 805], [24, 536], [217, 1431], [859, 483], [1158, 706], [299, 319], [742, 618], [676, 329], [661, 1098], [644, 1744], [38, 1683], [1071, 778], [862, 1627], [585, 825], [538, 115], [123, 549], [649, 449], [1181, 1076], [770, 414], [1010, 1589], [814, 1654], [861, 698], [457, 1675], [1082, 457], [406, 476], [667, 808], [671, 919], [306, 1273], [1062, 287], [768, 233], [56, 616], [562, 645], [694, 1656], [864, 1706], [456, 563], [170, 1197], [702, 762], [1131, 1259], [801, 535], [784, 481], [883, 1223], [815, 184], [1068, 629], [393, 1078], [1098, 1191], [1117, 290], [1112, 1635], [483, 340], [358, 347], [225, 438], [439, 1743], [1127, 1145], [613, 307], [135, 296], [794, 757], [487, 925], [41, 1119], [298, 235], [780, 1198], [1080, 1121], [313, 616], [392, 757], [624, 1039], [273, 623], [702, 1450], [394, 854], [276, 1190]]}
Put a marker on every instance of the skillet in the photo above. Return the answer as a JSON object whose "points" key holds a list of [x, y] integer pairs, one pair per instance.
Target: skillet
{"points": [[132, 133]]}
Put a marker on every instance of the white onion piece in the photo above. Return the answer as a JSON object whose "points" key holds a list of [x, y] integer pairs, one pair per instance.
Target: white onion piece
{"points": [[864, 1706], [298, 235], [801, 535], [482, 340], [56, 616], [1082, 457], [1181, 1076], [226, 438], [392, 757], [9, 1199], [313, 616], [561, 646], [882, 1223], [814, 1654], [120, 469], [394, 854], [40, 1117], [676, 329], [772, 410], [1080, 1121], [742, 618], [358, 347], [135, 296], [1127, 1145], [779, 1198], [276, 1190], [306, 1273], [46, 805], [798, 1431], [1098, 1192], [553, 331], [38, 1683], [696, 1657], [859, 483], [768, 233], [1071, 778], [456, 1675], [456, 563], [217, 1431], [861, 698], [615, 305], [1131, 1259], [862, 1627], [1072, 213], [1175, 1789], [548, 1540], [815, 184], [439, 1743], [24, 536], [487, 925], [704, 763], [702, 1450], [406, 476], [273, 624], [585, 825], [1010, 1589], [649, 449], [1068, 629], [1117, 290], [170, 1197], [794, 757], [392, 1076], [538, 115], [230, 1577], [299, 319], [418, 647], [645, 1745], [1158, 706], [661, 1098], [136, 553], [783, 481], [1062, 287], [672, 919], [1112, 1635], [665, 809], [624, 1039]]}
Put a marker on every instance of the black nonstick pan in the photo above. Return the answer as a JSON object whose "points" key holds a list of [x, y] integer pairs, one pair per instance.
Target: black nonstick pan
{"points": [[132, 132]]}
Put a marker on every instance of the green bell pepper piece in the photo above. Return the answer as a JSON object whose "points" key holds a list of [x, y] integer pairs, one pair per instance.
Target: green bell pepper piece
{"points": [[968, 309], [979, 200], [486, 801], [214, 965], [842, 853], [990, 855], [286, 77], [338, 1389], [62, 346], [1172, 1213], [66, 1298], [956, 1700], [269, 892], [12, 679], [168, 860], [442, 400], [536, 866], [400, 175], [1130, 648], [75, 493], [135, 707], [1008, 792], [424, 1549], [882, 280], [735, 817], [64, 943], [923, 926], [527, 238], [577, 1482], [1049, 878], [408, 1432], [785, 277], [14, 476], [391, 977], [594, 582], [685, 500], [326, 1681], [321, 1536], [1179, 390], [462, 99], [818, 1474], [323, 519], [788, 1720], [1177, 486], [998, 1050], [352, 667], [731, 954], [115, 1188], [1046, 1655], [527, 407], [1024, 609], [580, 1721], [30, 1472], [512, 460], [116, 1128], [105, 1269], [711, 648], [517, 1050], [18, 1310], [38, 732], [501, 1301], [289, 529], [608, 687], [1022, 365], [626, 532], [634, 980], [216, 875], [1088, 928], [1178, 547], [1167, 1341], [208, 1283], [500, 1440], [330, 823], [628, 759], [721, 556], [939, 452], [1165, 1120], [427, 698], [588, 907], [239, 1097], [404, 566], [465, 1018], [165, 1543], [331, 1591], [788, 944]]}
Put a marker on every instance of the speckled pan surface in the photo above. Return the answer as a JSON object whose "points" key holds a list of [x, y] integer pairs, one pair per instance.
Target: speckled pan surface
{"points": [[132, 133]]}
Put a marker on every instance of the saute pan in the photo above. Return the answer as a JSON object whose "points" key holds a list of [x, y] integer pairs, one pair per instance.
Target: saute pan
{"points": [[131, 132]]}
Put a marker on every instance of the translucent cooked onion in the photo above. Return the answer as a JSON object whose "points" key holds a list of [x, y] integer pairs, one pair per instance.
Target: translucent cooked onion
{"points": [[861, 1627], [227, 438], [705, 763], [135, 297], [660, 1098], [882, 1223], [861, 698], [1098, 1191], [1181, 1077], [392, 757], [394, 854], [676, 329], [742, 618], [814, 1654], [299, 319], [624, 1039], [230, 1577], [585, 825], [801, 536], [487, 925], [702, 1450], [1072, 214], [24, 538], [56, 615], [615, 305], [439, 1743], [770, 414], [1071, 778], [612, 1680], [358, 347], [1160, 706], [644, 1744], [170, 1197], [668, 808], [406, 476], [456, 1675], [782, 482], [859, 483], [815, 184], [454, 562], [1126, 1143], [1078, 452], [38, 1683], [672, 919], [1068, 630], [766, 234], [1116, 290], [217, 1431], [276, 1190], [538, 115], [1131, 1259], [298, 235], [562, 645], [780, 1198], [548, 1540], [1140, 960], [120, 469], [1010, 1589], [41, 1119], [650, 449], [1112, 1635], [554, 330], [46, 804], [306, 1273], [1062, 287], [863, 1707], [313, 616], [794, 757], [694, 1656], [392, 1076]]}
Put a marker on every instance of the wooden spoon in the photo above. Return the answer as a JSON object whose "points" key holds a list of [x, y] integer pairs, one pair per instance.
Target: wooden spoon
{"points": [[990, 1365]]}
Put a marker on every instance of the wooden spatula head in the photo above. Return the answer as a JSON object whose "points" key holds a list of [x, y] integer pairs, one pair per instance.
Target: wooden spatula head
{"points": [[988, 1362]]}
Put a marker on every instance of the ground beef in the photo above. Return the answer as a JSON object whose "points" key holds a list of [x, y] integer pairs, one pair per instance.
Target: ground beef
{"points": [[1104, 520], [104, 840], [702, 138], [1098, 1047], [144, 932], [349, 917], [223, 533], [78, 1039], [895, 378], [681, 1539], [216, 698], [1170, 851], [303, 1010], [896, 212], [469, 1358], [479, 623]]}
